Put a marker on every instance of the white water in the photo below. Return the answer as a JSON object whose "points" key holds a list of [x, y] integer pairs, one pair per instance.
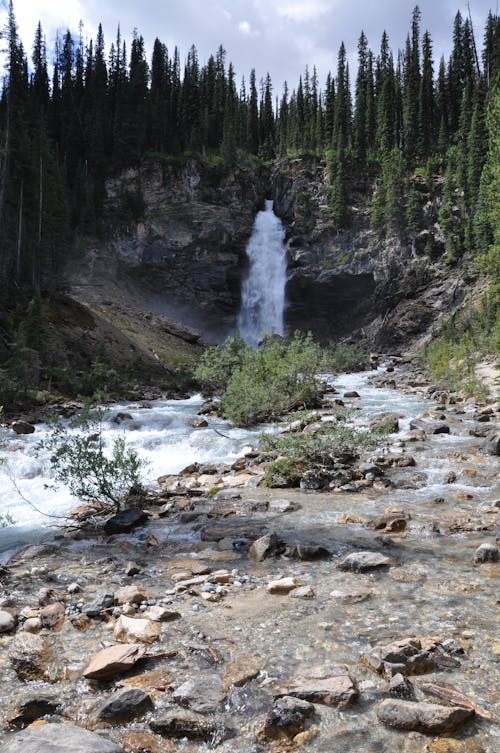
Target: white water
{"points": [[263, 290], [160, 435]]}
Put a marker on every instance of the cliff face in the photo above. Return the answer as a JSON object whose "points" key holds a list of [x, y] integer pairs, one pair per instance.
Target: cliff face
{"points": [[383, 291], [186, 251], [176, 238]]}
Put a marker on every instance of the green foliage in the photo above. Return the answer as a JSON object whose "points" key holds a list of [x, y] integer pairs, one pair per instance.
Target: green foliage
{"points": [[219, 362], [92, 472], [345, 358], [258, 385]]}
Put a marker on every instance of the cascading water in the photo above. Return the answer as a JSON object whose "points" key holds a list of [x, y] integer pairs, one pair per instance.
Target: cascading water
{"points": [[263, 290]]}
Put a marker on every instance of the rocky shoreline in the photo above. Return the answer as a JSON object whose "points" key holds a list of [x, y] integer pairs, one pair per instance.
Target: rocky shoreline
{"points": [[360, 615]]}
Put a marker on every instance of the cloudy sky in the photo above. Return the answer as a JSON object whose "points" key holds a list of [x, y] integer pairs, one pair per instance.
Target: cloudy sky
{"points": [[279, 36]]}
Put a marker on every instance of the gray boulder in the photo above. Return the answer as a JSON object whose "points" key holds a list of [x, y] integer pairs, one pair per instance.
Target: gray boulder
{"points": [[58, 738]]}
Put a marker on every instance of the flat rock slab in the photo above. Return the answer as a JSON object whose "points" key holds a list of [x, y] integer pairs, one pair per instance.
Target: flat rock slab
{"points": [[113, 661], [360, 562], [219, 531], [241, 669], [430, 718], [331, 686], [59, 738]]}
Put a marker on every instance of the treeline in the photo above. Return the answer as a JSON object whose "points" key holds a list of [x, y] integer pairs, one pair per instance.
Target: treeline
{"points": [[67, 126]]}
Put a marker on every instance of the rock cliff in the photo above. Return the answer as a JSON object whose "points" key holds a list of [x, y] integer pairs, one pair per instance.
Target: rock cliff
{"points": [[177, 232]]}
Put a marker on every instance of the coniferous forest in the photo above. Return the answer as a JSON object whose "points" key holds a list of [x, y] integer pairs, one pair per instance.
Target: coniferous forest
{"points": [[72, 116]]}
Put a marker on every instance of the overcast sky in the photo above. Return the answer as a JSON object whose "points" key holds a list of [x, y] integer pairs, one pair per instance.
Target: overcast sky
{"points": [[279, 36]]}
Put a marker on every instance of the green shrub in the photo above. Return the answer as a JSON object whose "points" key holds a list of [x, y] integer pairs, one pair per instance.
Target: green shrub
{"points": [[79, 460], [344, 358], [218, 363]]}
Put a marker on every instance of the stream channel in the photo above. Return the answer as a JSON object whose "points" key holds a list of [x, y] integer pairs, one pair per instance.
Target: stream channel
{"points": [[432, 591]]}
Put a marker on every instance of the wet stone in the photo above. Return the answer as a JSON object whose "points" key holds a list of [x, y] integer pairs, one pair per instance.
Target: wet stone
{"points": [[331, 686], [360, 562], [282, 586], [52, 616], [32, 707], [131, 629], [30, 656], [182, 723], [241, 670], [124, 704], [264, 547], [202, 694], [113, 661], [401, 687], [486, 553], [125, 521], [400, 657], [429, 718], [55, 738], [286, 720]]}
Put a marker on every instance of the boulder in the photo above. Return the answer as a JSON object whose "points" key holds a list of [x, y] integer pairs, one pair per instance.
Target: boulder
{"points": [[7, 621], [113, 661], [492, 443], [287, 718], [22, 427], [32, 707], [124, 704], [125, 521], [183, 723], [429, 427], [264, 547], [202, 694], [360, 562], [330, 685], [131, 629], [486, 553], [429, 718], [59, 738], [30, 656]]}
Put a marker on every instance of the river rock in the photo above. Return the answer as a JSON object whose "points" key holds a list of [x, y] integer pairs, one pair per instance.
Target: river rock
{"points": [[282, 586], [59, 738], [405, 656], [240, 670], [430, 427], [360, 562], [486, 553], [124, 704], [130, 594], [281, 505], [201, 694], [99, 605], [22, 427], [264, 547], [492, 443], [157, 613], [303, 592], [52, 616], [130, 629], [429, 718], [113, 661], [131, 569], [287, 718], [196, 422], [125, 521], [7, 622], [401, 687], [351, 394], [30, 656], [183, 723], [32, 707], [32, 625], [330, 685]]}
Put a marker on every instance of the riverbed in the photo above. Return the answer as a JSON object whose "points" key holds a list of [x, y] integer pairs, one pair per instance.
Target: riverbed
{"points": [[431, 591]]}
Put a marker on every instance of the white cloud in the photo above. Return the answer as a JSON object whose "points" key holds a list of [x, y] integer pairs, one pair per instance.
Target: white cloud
{"points": [[245, 27], [53, 15], [302, 11]]}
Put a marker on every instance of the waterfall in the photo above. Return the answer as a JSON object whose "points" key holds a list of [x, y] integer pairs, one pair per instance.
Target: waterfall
{"points": [[263, 290]]}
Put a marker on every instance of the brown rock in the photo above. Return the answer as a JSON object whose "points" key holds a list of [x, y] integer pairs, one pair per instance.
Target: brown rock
{"points": [[181, 723], [130, 594], [146, 742], [113, 661], [240, 670], [422, 717], [30, 656], [52, 616]]}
